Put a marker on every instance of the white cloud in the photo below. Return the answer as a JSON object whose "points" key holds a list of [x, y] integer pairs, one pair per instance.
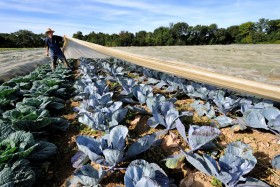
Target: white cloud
{"points": [[69, 16], [23, 6]]}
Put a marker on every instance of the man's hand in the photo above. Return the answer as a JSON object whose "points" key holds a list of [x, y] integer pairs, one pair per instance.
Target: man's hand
{"points": [[47, 54]]}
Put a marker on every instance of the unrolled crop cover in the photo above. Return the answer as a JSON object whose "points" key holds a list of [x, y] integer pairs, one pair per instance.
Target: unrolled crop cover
{"points": [[75, 50]]}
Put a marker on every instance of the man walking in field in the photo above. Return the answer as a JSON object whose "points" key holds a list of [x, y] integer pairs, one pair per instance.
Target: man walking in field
{"points": [[53, 49]]}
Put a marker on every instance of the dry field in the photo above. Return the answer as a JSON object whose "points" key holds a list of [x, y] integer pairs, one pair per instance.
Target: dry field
{"points": [[254, 62]]}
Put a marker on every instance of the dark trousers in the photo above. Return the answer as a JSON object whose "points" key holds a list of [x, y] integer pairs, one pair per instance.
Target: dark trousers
{"points": [[55, 57]]}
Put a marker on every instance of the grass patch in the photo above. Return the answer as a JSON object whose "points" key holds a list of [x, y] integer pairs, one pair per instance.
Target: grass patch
{"points": [[132, 75], [16, 49], [274, 42], [216, 182], [85, 130]]}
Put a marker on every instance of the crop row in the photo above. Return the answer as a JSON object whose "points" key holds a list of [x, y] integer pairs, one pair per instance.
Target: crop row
{"points": [[28, 114], [110, 90]]}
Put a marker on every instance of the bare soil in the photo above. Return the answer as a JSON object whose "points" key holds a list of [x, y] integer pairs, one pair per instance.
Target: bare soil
{"points": [[264, 144]]}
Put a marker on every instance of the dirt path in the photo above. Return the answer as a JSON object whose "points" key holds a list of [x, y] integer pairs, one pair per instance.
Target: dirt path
{"points": [[253, 62], [59, 168]]}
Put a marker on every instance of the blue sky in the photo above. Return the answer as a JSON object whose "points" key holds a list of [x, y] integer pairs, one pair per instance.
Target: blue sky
{"points": [[112, 16]]}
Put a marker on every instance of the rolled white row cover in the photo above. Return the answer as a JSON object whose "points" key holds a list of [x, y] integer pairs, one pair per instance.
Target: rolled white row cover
{"points": [[75, 48]]}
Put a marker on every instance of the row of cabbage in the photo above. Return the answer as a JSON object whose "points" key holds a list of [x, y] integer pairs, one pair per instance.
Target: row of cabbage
{"points": [[28, 105], [104, 107]]}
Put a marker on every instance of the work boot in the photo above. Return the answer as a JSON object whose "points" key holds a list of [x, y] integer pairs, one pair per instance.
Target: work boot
{"points": [[66, 64], [53, 66]]}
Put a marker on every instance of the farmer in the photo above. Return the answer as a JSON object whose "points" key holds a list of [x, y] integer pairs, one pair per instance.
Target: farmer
{"points": [[53, 49]]}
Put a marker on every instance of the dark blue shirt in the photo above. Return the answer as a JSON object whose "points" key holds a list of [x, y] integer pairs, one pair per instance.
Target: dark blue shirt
{"points": [[53, 44]]}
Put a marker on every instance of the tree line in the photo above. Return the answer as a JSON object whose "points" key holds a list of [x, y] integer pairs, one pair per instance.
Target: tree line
{"points": [[181, 33], [21, 39], [263, 31]]}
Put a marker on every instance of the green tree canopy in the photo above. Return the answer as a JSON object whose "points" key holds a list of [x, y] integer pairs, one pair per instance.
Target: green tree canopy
{"points": [[181, 33]]}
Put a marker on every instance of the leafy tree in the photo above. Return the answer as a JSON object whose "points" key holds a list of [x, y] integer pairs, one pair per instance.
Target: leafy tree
{"points": [[162, 36], [246, 28], [233, 32], [140, 38], [4, 41], [78, 35], [262, 25], [180, 33], [222, 36], [201, 35], [246, 31], [126, 38], [273, 26], [98, 38], [115, 40], [149, 40], [213, 29], [25, 38], [259, 37]]}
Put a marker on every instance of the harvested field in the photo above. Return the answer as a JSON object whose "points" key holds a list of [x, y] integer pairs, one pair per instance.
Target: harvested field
{"points": [[253, 62]]}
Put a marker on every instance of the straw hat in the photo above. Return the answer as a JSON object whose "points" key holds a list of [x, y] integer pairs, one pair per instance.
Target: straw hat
{"points": [[49, 30]]}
